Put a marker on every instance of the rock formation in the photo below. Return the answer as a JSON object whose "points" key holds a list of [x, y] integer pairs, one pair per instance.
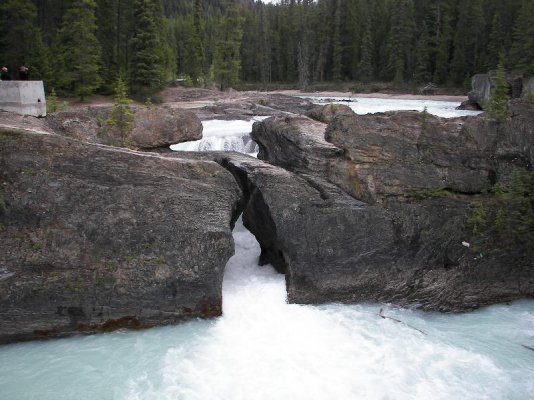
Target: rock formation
{"points": [[96, 238], [482, 84], [153, 127], [384, 208]]}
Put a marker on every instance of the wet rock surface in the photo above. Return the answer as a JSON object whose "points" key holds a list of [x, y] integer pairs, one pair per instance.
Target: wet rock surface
{"points": [[94, 238]]}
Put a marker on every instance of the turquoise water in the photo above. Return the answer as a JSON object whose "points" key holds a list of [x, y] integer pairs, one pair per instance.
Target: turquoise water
{"points": [[263, 348]]}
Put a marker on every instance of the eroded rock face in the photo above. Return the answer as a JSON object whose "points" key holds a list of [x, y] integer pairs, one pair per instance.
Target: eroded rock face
{"points": [[480, 89], [97, 238], [383, 207], [153, 127], [375, 157], [334, 248]]}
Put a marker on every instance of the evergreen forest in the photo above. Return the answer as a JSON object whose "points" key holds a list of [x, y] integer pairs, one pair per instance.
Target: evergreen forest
{"points": [[81, 47]]}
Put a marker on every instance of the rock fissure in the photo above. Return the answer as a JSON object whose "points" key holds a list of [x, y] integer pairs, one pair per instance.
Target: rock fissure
{"points": [[402, 232]]}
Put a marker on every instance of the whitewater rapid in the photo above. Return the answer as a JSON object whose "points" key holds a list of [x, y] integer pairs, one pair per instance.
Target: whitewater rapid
{"points": [[222, 135], [369, 105]]}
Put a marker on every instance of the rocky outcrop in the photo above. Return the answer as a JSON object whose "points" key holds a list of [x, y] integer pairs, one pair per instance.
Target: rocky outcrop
{"points": [[395, 207], [482, 84], [153, 127], [94, 238], [334, 248], [327, 113], [258, 104], [480, 89], [398, 154]]}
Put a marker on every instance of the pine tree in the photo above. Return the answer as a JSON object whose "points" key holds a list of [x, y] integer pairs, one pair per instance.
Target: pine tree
{"points": [[467, 41], [522, 52], [400, 40], [20, 40], [193, 59], [227, 61], [337, 50], [498, 103], [80, 49], [121, 117], [145, 61], [422, 56], [365, 67], [442, 41], [496, 42]]}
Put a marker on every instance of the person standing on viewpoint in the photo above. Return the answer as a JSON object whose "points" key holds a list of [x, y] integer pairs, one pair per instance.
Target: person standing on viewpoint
{"points": [[24, 73], [4, 75]]}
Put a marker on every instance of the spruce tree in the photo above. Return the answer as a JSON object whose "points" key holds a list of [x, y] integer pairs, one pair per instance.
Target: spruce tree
{"points": [[400, 41], [442, 41], [422, 56], [467, 41], [522, 52], [121, 117], [193, 57], [497, 106], [227, 61], [20, 40], [365, 67], [145, 61], [496, 42], [337, 50], [80, 49]]}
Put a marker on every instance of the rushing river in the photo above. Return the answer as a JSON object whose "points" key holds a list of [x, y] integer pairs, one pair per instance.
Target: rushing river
{"points": [[265, 349], [369, 105]]}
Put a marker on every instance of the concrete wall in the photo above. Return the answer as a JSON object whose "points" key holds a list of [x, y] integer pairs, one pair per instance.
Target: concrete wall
{"points": [[23, 97]]}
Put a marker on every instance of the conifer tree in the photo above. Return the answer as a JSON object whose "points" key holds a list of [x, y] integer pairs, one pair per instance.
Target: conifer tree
{"points": [[193, 59], [467, 41], [442, 42], [336, 41], [227, 61], [498, 103], [496, 42], [80, 49], [145, 61], [121, 117], [422, 56], [400, 40], [20, 40], [522, 52], [365, 66]]}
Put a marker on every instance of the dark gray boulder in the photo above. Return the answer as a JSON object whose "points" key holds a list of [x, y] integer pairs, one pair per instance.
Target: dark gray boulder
{"points": [[95, 238], [480, 89]]}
